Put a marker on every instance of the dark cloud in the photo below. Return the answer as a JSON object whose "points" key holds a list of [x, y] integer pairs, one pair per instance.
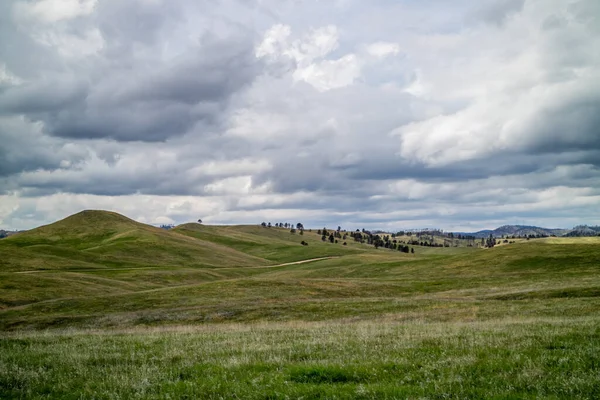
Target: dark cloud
{"points": [[129, 90], [24, 148], [572, 125], [154, 107], [496, 11]]}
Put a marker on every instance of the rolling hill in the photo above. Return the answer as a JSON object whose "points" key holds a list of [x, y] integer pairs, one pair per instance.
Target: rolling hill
{"points": [[101, 239], [273, 244], [98, 305], [99, 268]]}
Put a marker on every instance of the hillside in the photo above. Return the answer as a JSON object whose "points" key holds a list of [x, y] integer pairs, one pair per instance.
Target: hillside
{"points": [[102, 239], [274, 244]]}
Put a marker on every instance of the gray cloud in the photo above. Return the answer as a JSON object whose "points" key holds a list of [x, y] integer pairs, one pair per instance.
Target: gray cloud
{"points": [[129, 89], [496, 11], [453, 123]]}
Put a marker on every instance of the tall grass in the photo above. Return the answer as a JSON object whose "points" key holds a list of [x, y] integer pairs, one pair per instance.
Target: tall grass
{"points": [[510, 358]]}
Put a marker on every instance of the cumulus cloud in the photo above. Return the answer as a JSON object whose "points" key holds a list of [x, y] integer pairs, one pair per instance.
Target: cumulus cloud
{"points": [[383, 49], [126, 81], [309, 56], [399, 114], [538, 101]]}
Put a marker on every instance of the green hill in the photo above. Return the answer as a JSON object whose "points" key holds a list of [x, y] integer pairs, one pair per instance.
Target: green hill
{"points": [[64, 260], [95, 268], [102, 239], [274, 244]]}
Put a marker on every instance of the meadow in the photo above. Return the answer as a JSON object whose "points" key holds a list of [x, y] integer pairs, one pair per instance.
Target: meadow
{"points": [[98, 306]]}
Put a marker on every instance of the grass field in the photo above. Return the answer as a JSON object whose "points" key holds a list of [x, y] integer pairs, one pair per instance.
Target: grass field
{"points": [[116, 309]]}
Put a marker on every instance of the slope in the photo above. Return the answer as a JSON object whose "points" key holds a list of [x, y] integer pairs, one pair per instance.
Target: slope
{"points": [[534, 279], [101, 239], [274, 244]]}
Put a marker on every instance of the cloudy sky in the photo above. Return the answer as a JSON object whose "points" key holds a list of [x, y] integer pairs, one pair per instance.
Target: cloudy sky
{"points": [[391, 114]]}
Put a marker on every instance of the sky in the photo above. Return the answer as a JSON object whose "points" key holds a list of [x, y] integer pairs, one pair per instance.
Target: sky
{"points": [[457, 115]]}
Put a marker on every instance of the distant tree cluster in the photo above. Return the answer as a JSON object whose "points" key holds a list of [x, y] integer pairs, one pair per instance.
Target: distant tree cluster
{"points": [[378, 240], [490, 242], [423, 237], [298, 228]]}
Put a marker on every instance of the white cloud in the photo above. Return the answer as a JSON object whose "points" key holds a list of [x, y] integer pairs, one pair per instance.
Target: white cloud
{"points": [[70, 45], [383, 49], [511, 96], [309, 54], [52, 11], [7, 76], [275, 41], [331, 74]]}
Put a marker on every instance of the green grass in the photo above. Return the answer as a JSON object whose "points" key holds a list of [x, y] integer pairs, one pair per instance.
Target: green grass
{"points": [[100, 239], [514, 358], [274, 244], [116, 309]]}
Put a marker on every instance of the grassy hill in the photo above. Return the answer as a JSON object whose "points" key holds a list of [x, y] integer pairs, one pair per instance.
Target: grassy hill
{"points": [[220, 312], [101, 239], [274, 244], [355, 281], [74, 250]]}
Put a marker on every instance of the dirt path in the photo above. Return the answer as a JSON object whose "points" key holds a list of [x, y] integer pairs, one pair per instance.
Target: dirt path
{"points": [[146, 268], [159, 289], [285, 264]]}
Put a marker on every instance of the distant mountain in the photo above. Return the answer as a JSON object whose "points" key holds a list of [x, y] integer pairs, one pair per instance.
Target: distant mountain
{"points": [[4, 233], [526, 230], [584, 230]]}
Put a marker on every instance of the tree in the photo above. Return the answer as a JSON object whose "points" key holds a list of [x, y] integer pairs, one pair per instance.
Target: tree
{"points": [[331, 238], [199, 221], [491, 241], [412, 250], [263, 224], [299, 226]]}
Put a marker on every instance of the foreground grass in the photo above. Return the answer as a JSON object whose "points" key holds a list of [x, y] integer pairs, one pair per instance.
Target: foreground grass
{"points": [[510, 358]]}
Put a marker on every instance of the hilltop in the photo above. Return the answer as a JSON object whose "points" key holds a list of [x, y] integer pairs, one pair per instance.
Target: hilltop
{"points": [[103, 239]]}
